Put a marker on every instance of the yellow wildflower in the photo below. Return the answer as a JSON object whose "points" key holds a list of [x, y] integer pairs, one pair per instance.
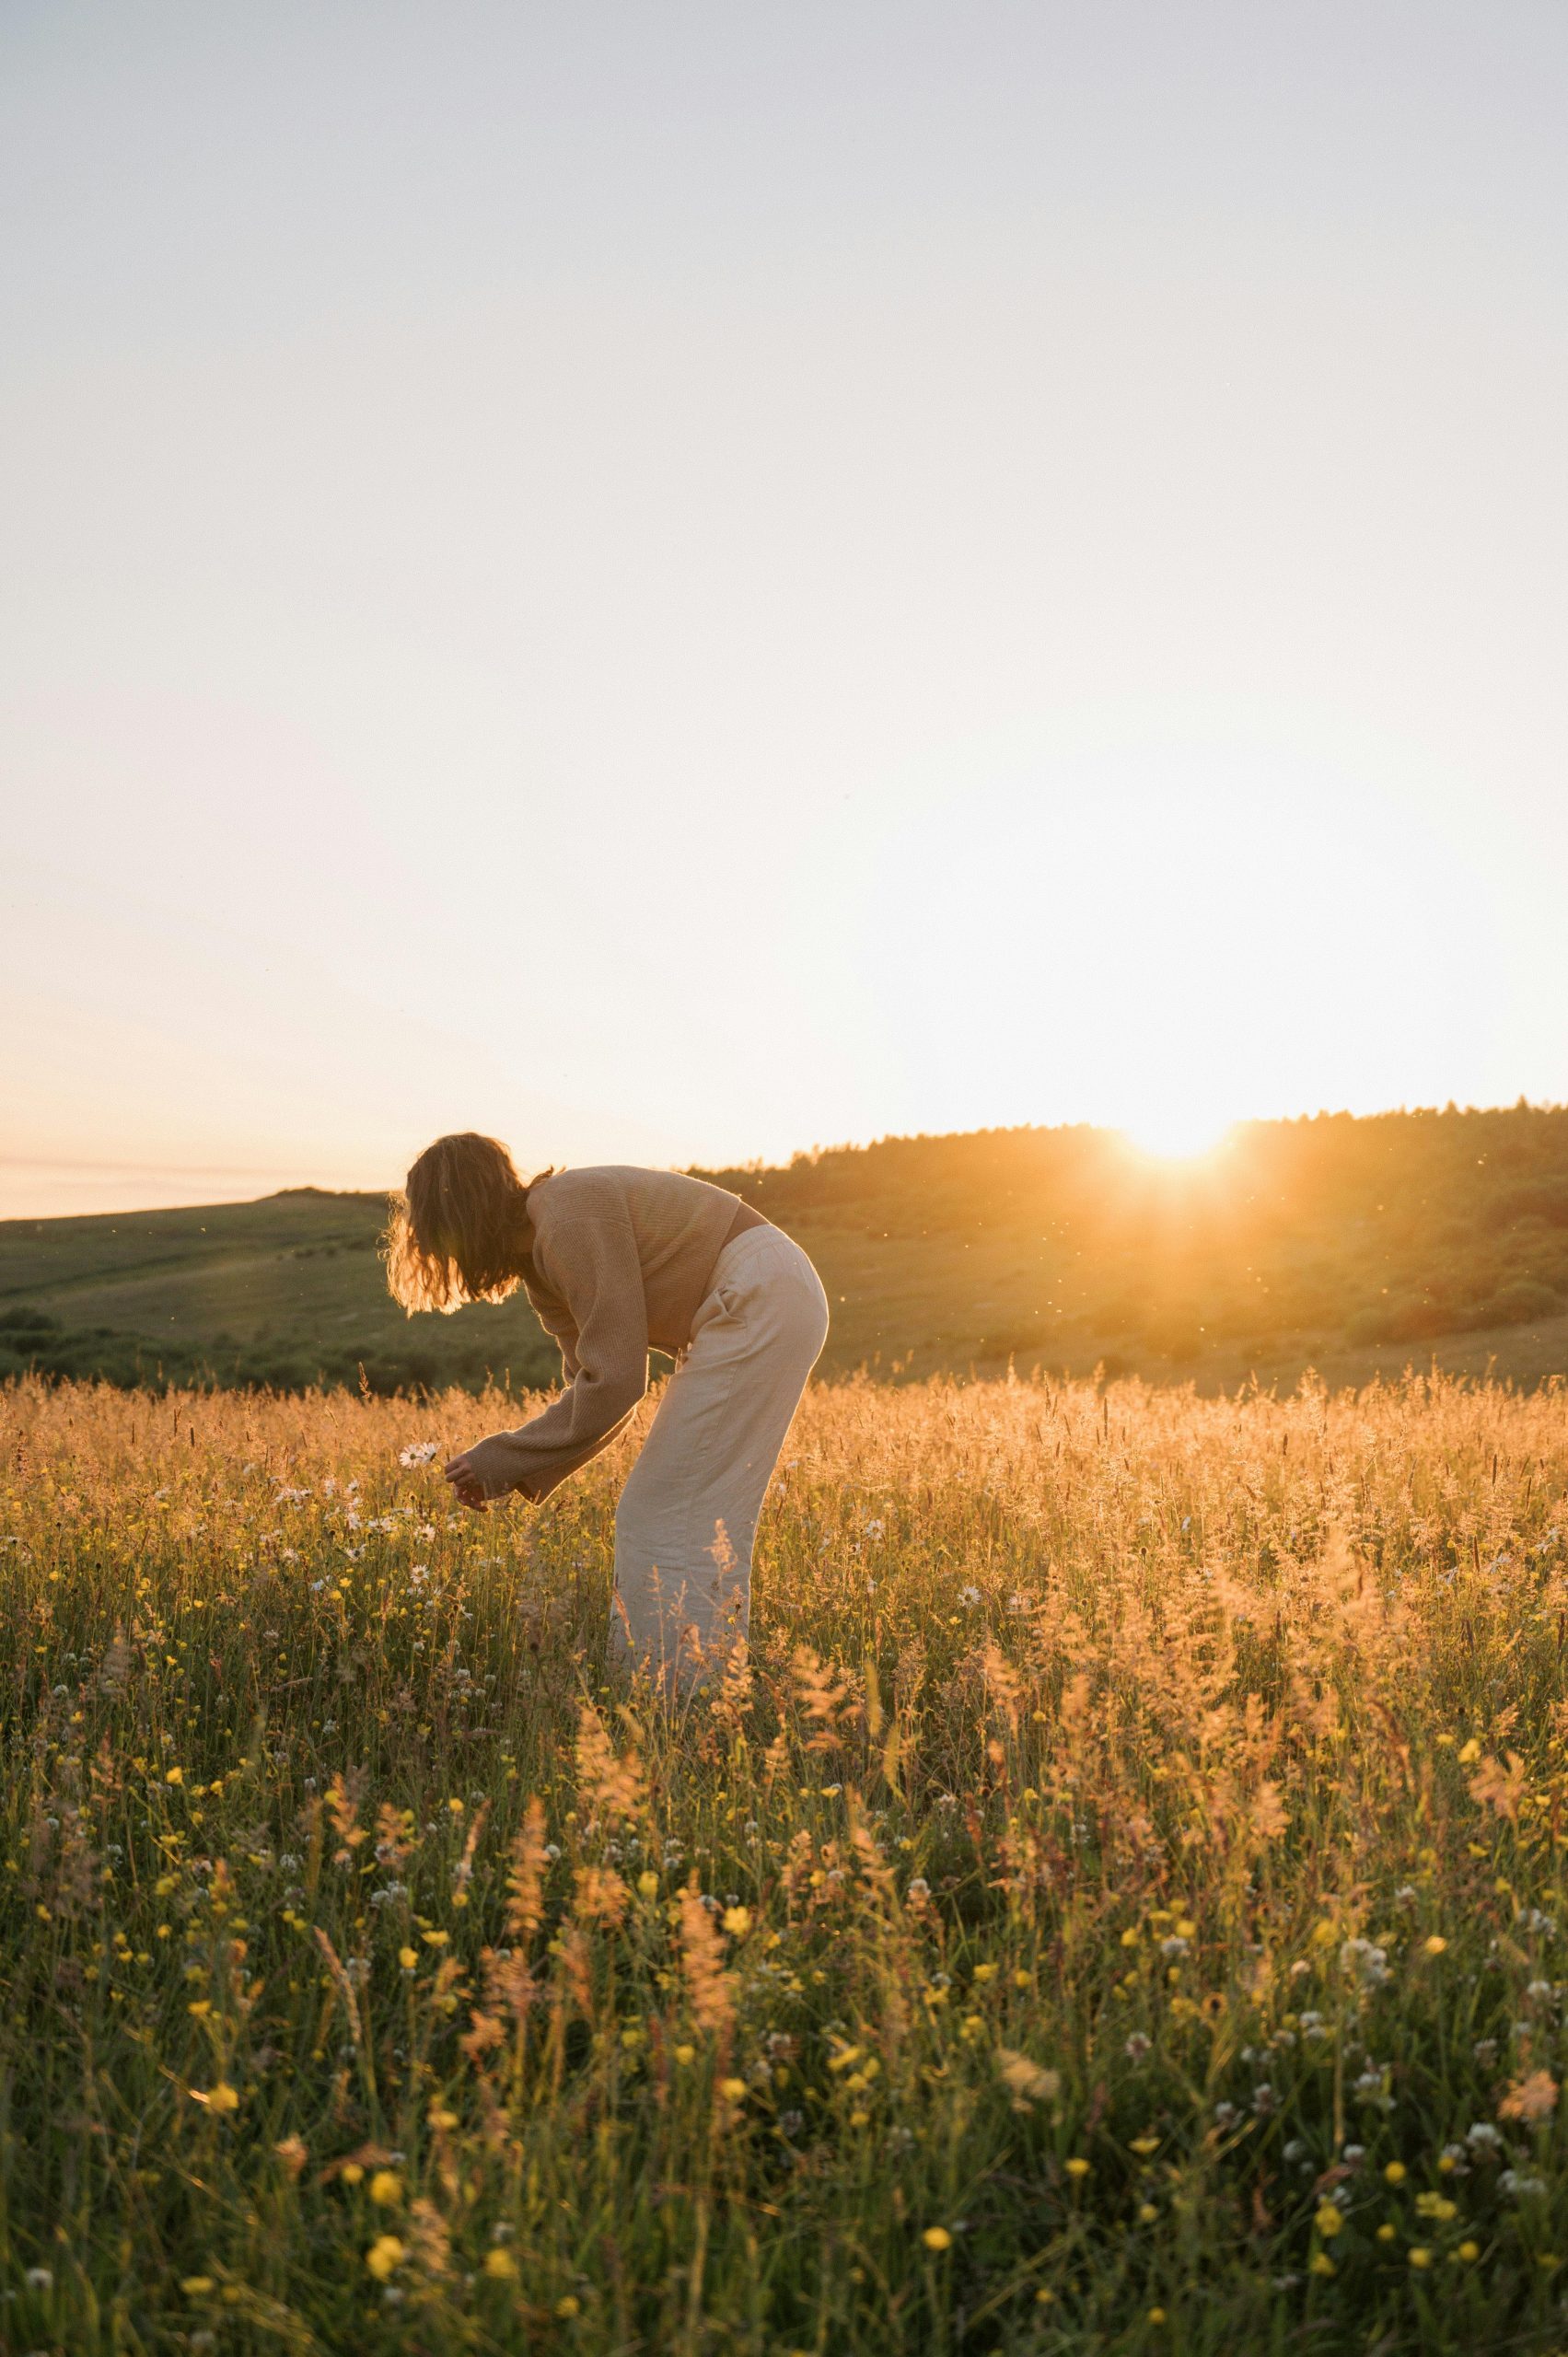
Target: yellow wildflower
{"points": [[385, 2256], [937, 2238]]}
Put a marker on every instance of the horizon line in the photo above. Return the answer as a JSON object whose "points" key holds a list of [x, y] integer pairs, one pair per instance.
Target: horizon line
{"points": [[288, 1180]]}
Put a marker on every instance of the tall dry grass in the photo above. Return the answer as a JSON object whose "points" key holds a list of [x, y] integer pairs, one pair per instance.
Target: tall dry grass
{"points": [[1117, 1904]]}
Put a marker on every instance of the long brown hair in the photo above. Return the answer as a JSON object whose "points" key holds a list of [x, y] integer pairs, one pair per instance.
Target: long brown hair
{"points": [[456, 1233]]}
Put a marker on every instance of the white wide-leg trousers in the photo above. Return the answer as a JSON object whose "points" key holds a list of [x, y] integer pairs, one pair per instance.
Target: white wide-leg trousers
{"points": [[688, 1516]]}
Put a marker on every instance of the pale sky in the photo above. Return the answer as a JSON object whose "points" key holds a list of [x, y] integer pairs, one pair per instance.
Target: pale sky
{"points": [[677, 581]]}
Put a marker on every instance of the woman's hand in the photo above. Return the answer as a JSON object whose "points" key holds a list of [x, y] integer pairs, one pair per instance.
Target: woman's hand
{"points": [[466, 1483]]}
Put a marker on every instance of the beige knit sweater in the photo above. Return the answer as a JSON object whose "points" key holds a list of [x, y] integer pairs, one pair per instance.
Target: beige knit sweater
{"points": [[620, 1260]]}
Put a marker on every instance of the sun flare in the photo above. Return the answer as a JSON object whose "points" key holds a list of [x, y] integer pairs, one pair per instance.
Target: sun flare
{"points": [[1175, 1133]]}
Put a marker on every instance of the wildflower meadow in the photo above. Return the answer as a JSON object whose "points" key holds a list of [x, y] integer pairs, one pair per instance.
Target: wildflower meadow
{"points": [[1116, 1903]]}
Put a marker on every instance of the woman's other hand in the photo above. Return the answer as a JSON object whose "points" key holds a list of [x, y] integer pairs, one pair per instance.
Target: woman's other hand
{"points": [[465, 1483]]}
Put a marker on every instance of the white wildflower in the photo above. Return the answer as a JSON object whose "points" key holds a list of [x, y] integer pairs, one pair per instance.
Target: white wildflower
{"points": [[1369, 1963]]}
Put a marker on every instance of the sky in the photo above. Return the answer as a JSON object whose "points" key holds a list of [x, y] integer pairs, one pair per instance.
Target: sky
{"points": [[676, 583]]}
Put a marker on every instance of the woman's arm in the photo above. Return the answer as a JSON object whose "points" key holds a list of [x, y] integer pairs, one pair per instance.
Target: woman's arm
{"points": [[595, 1270]]}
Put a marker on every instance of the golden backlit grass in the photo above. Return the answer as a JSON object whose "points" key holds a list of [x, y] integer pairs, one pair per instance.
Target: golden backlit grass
{"points": [[1119, 1905]]}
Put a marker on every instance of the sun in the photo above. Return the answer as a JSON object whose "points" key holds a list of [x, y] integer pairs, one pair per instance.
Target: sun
{"points": [[1175, 1133]]}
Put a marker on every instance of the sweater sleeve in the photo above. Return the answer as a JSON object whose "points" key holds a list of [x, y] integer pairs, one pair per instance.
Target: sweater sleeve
{"points": [[595, 1269], [562, 1328]]}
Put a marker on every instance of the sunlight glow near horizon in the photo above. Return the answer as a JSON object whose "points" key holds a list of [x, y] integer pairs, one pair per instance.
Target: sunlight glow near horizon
{"points": [[1177, 1136], [678, 586]]}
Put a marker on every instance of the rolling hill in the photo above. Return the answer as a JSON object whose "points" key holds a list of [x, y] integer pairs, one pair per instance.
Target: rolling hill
{"points": [[1352, 1245]]}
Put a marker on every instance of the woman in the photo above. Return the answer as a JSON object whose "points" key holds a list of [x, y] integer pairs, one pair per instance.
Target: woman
{"points": [[614, 1260]]}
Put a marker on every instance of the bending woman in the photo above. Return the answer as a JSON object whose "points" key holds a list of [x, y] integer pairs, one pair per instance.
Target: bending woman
{"points": [[614, 1260]]}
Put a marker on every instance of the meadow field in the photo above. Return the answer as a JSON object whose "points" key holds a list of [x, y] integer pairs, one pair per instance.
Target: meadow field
{"points": [[1117, 1904]]}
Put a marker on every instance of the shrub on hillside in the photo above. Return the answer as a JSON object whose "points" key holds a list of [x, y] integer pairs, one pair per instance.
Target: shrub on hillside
{"points": [[24, 1321]]}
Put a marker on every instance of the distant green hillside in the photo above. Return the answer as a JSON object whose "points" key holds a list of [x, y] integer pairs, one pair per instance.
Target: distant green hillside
{"points": [[285, 1292], [1355, 1246]]}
